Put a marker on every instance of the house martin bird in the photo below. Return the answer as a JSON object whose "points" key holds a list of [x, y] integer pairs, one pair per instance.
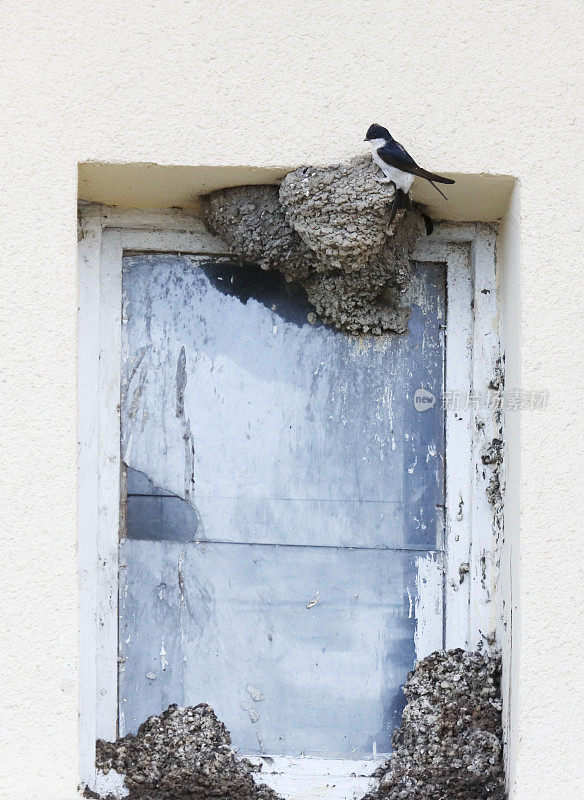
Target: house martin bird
{"points": [[397, 164]]}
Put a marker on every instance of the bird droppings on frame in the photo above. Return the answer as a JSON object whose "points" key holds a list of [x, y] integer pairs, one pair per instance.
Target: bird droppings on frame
{"points": [[181, 754], [492, 454], [450, 743], [336, 231]]}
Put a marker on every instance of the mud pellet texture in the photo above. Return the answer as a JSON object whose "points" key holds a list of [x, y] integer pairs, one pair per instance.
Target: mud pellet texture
{"points": [[332, 230], [449, 746], [181, 754]]}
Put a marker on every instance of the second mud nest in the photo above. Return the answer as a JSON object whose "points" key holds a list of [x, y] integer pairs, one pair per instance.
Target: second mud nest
{"points": [[449, 745], [331, 230]]}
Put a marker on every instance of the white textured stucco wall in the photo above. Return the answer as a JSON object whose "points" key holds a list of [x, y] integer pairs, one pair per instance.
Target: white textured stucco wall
{"points": [[474, 87]]}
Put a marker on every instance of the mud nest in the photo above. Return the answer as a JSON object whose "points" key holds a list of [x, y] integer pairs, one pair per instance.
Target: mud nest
{"points": [[182, 754], [331, 230], [449, 745]]}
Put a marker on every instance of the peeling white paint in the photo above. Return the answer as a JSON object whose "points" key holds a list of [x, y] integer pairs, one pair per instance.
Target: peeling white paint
{"points": [[110, 785], [163, 659], [411, 602], [428, 606], [316, 778]]}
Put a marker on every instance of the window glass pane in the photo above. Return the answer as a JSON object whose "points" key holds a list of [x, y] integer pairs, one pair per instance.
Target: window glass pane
{"points": [[282, 489]]}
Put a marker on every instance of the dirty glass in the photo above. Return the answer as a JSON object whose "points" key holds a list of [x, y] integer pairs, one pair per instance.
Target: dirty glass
{"points": [[282, 487]]}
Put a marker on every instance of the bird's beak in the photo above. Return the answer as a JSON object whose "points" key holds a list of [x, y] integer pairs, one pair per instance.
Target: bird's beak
{"points": [[365, 140]]}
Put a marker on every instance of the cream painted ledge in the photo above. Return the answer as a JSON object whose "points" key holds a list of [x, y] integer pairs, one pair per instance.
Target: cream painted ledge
{"points": [[473, 198]]}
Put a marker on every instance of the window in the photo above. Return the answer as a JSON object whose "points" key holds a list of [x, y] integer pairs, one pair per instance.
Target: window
{"points": [[302, 512]]}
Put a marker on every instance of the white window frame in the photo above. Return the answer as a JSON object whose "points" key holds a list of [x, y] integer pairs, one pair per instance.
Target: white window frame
{"points": [[472, 609]]}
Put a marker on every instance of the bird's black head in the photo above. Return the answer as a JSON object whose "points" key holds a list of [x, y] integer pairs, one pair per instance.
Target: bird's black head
{"points": [[377, 132]]}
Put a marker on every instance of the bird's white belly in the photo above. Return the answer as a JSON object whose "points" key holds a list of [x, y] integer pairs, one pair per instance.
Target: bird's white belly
{"points": [[402, 180]]}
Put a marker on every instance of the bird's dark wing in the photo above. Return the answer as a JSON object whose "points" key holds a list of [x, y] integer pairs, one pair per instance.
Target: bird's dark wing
{"points": [[397, 156]]}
